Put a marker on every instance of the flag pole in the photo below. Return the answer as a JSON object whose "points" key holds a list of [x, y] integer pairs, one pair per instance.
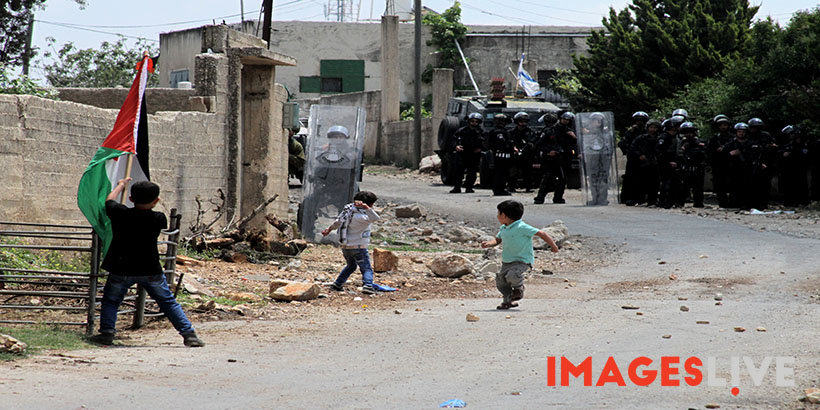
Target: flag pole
{"points": [[129, 162]]}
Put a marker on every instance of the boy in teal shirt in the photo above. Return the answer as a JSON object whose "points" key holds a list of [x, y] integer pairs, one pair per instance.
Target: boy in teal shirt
{"points": [[516, 256]]}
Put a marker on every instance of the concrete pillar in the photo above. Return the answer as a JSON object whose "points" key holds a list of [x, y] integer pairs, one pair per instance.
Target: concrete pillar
{"points": [[442, 91], [390, 69]]}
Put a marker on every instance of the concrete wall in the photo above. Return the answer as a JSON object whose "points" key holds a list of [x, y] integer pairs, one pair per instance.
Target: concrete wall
{"points": [[396, 145], [158, 99], [46, 145], [493, 50]]}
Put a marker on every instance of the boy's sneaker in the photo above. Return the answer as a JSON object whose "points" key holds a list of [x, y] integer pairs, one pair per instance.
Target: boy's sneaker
{"points": [[191, 340], [368, 290], [106, 339], [337, 287], [517, 294]]}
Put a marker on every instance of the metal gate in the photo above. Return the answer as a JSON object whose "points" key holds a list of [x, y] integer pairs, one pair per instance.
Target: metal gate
{"points": [[65, 297]]}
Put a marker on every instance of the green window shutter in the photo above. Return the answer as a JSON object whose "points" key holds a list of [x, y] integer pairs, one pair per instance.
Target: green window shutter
{"points": [[350, 71], [310, 84]]}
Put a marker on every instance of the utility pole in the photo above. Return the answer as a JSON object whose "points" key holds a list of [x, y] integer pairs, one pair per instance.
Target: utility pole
{"points": [[266, 24], [417, 83], [27, 51]]}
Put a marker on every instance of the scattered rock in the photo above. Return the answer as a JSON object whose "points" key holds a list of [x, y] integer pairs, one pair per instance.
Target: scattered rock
{"points": [[384, 260], [508, 317], [639, 313], [433, 238], [398, 312], [718, 303], [193, 287], [712, 406], [463, 234], [9, 344], [472, 318], [662, 263], [243, 296], [546, 272], [630, 307], [718, 296], [684, 308], [417, 259], [228, 255], [682, 298], [295, 291], [357, 299], [760, 329], [427, 231], [672, 276], [703, 256], [451, 266], [702, 322], [410, 211], [812, 395], [430, 165], [740, 329], [667, 336], [557, 231], [485, 269]]}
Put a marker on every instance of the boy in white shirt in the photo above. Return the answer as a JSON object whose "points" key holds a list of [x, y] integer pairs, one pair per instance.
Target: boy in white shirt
{"points": [[354, 235]]}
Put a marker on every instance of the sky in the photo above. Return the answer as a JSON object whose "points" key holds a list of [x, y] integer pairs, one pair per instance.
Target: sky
{"points": [[103, 20]]}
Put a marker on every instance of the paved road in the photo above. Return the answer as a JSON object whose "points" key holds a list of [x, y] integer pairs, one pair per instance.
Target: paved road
{"points": [[418, 359]]}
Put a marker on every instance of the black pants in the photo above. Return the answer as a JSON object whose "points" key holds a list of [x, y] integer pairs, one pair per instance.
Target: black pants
{"points": [[692, 181], [553, 180], [501, 174], [794, 186], [646, 185], [461, 162], [720, 185], [630, 181], [669, 186], [741, 188]]}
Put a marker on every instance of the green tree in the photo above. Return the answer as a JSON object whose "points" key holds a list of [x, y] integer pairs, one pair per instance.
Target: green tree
{"points": [[445, 30], [10, 84], [653, 48], [111, 65], [15, 16]]}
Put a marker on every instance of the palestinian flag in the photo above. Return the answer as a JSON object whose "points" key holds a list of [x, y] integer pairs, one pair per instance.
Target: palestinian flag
{"points": [[129, 136]]}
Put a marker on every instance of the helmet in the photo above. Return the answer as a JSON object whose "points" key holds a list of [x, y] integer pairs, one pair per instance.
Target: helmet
{"points": [[548, 118], [597, 116], [677, 120], [741, 126], [640, 115], [721, 118], [681, 112], [568, 116], [474, 116], [501, 117], [521, 115], [789, 130], [756, 122], [688, 126], [337, 131], [653, 122]]}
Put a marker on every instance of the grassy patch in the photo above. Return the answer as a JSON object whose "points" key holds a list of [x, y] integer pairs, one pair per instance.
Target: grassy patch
{"points": [[206, 255], [43, 337], [185, 299], [17, 258]]}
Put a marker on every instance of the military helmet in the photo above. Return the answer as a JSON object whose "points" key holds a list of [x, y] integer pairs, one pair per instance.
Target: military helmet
{"points": [[721, 118], [756, 122], [596, 116], [789, 130], [568, 116], [337, 131], [474, 116], [681, 112], [688, 126], [741, 126], [501, 118], [521, 115], [640, 115], [677, 120], [653, 122]]}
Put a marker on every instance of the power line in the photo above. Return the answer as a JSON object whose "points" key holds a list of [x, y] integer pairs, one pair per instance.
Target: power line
{"points": [[96, 31], [149, 25]]}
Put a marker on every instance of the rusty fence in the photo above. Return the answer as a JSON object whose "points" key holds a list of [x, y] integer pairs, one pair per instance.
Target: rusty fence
{"points": [[67, 296]]}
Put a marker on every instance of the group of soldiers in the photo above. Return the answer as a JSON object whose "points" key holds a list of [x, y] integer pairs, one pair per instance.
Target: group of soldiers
{"points": [[516, 152], [666, 163]]}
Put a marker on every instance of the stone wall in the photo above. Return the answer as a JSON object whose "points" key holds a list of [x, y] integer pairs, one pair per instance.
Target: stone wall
{"points": [[46, 145], [396, 145], [158, 99]]}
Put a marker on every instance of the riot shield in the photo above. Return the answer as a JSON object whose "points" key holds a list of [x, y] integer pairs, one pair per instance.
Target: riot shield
{"points": [[599, 167], [333, 158]]}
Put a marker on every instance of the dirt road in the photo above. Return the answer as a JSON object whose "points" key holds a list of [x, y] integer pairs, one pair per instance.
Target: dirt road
{"points": [[428, 353]]}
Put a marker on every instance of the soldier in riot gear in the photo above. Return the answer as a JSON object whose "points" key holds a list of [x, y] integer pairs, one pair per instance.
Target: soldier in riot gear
{"points": [[666, 150], [744, 167], [768, 161], [499, 141], [548, 153], [565, 132], [598, 149], [524, 139], [642, 154], [794, 163], [464, 150], [680, 112], [692, 163], [716, 155], [638, 127]]}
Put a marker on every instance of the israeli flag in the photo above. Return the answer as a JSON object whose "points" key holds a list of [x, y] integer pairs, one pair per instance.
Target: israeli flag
{"points": [[526, 82]]}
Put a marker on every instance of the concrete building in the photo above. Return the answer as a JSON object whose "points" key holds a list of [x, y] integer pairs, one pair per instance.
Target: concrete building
{"points": [[339, 57]]}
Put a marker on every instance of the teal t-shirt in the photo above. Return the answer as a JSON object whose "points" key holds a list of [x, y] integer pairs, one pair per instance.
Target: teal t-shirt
{"points": [[516, 242]]}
